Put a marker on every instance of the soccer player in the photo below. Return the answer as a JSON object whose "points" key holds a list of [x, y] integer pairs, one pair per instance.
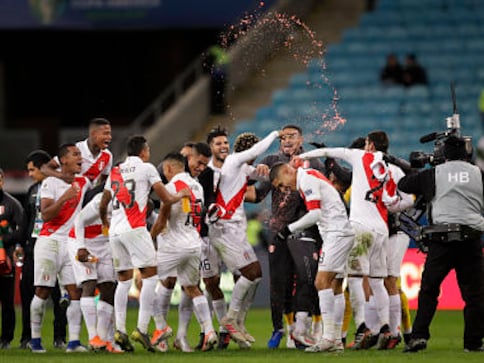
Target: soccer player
{"points": [[59, 204], [180, 246], [97, 160], [294, 256], [327, 210], [227, 233], [369, 218], [128, 188], [92, 263]]}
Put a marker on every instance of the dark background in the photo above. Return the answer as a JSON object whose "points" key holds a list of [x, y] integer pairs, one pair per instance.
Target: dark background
{"points": [[64, 78]]}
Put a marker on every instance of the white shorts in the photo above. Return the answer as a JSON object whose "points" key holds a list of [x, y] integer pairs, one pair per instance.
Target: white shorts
{"points": [[51, 260], [369, 261], [334, 252], [131, 249], [230, 240], [396, 248], [210, 261], [183, 263], [101, 271]]}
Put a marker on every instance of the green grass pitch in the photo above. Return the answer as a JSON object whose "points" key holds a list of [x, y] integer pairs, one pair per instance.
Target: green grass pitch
{"points": [[445, 346]]}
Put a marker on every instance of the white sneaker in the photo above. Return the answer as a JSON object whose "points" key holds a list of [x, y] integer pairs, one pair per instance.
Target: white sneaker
{"points": [[162, 346], [303, 338], [210, 340], [324, 345], [182, 344], [233, 329], [246, 334], [290, 344], [338, 346]]}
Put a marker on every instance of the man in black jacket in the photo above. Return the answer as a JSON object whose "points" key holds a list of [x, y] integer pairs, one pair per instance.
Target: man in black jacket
{"points": [[294, 256], [11, 233]]}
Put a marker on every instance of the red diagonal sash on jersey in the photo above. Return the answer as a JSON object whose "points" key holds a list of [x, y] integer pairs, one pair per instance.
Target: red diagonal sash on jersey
{"points": [[96, 169], [136, 218], [232, 205], [375, 186], [196, 210], [314, 204], [66, 211]]}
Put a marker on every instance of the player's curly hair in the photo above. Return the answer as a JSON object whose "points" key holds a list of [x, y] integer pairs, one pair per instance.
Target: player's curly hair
{"points": [[245, 141]]}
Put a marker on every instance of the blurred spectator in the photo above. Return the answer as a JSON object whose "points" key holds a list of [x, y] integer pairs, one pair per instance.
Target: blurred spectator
{"points": [[481, 108], [215, 62], [392, 72], [413, 72], [480, 153], [11, 234], [256, 231]]}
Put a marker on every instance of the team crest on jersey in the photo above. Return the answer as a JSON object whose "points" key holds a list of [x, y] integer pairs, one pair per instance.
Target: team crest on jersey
{"points": [[2, 209]]}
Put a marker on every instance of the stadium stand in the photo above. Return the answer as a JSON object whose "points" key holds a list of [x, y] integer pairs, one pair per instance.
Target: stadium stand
{"points": [[447, 37]]}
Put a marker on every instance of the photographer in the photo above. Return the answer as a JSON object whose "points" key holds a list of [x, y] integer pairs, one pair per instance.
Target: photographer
{"points": [[454, 193]]}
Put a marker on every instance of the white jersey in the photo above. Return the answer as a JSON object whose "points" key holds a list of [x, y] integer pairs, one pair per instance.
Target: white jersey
{"points": [[401, 200], [183, 228], [130, 184], [94, 166], [53, 188], [324, 204], [366, 207], [88, 225], [234, 176]]}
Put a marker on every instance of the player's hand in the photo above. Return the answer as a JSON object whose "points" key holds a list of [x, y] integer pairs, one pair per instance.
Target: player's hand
{"points": [[185, 192], [262, 170], [72, 192], [18, 254], [82, 255]]}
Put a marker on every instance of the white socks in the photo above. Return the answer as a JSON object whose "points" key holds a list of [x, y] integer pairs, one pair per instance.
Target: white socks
{"points": [[121, 304], [161, 305], [338, 315], [382, 302], [326, 305], [37, 309], [88, 308], [357, 299], [105, 320], [241, 288], [74, 320], [185, 310], [395, 314], [200, 305], [146, 298]]}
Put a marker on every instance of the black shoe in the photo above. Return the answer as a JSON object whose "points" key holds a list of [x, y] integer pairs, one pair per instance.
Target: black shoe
{"points": [[4, 344], [24, 344], [223, 341], [122, 340], [383, 337], [414, 345], [59, 344], [478, 349], [362, 338], [200, 341]]}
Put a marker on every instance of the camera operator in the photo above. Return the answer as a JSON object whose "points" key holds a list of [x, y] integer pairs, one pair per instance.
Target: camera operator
{"points": [[454, 193]]}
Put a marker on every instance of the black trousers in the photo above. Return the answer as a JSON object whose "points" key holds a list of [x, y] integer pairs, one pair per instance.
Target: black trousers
{"points": [[465, 257], [7, 293], [293, 265], [27, 291]]}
